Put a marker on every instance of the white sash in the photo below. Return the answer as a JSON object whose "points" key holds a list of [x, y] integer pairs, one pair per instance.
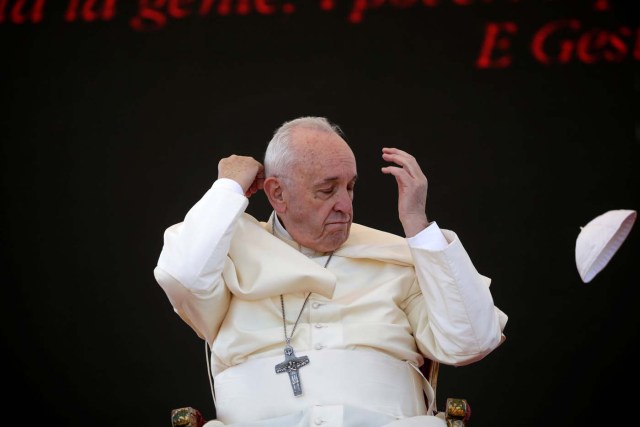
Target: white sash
{"points": [[369, 380]]}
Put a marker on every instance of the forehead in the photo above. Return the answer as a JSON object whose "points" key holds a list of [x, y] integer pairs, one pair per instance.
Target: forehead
{"points": [[323, 156]]}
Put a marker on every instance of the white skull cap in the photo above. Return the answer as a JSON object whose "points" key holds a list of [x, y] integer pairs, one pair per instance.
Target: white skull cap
{"points": [[600, 239]]}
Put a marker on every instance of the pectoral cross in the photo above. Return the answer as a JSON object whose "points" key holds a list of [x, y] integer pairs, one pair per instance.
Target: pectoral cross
{"points": [[291, 365]]}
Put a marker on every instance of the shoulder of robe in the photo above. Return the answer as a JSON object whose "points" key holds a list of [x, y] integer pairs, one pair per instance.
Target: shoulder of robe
{"points": [[363, 243], [367, 242]]}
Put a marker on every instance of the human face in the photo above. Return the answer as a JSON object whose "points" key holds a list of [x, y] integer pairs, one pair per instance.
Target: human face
{"points": [[318, 193]]}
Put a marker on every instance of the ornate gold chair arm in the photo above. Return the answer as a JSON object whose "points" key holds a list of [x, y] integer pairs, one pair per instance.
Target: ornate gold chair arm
{"points": [[186, 417], [457, 412]]}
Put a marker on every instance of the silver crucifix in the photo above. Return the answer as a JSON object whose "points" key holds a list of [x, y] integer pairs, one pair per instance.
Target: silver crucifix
{"points": [[291, 365]]}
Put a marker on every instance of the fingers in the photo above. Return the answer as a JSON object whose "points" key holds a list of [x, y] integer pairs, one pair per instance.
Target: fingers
{"points": [[412, 183], [408, 166], [256, 185], [246, 171]]}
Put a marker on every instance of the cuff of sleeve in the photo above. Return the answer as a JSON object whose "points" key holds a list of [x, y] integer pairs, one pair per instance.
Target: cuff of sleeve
{"points": [[431, 238], [228, 184]]}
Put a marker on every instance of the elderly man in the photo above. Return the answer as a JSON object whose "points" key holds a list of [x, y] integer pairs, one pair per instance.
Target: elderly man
{"points": [[313, 319]]}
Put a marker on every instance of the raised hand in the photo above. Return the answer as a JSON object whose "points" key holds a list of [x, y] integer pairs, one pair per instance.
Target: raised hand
{"points": [[246, 171], [412, 189]]}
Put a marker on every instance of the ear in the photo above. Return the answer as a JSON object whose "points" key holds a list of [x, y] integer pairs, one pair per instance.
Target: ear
{"points": [[275, 193]]}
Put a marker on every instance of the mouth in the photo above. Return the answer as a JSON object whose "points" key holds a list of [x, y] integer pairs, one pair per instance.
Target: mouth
{"points": [[337, 224]]}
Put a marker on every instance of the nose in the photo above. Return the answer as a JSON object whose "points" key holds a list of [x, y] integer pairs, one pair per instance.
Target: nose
{"points": [[344, 201]]}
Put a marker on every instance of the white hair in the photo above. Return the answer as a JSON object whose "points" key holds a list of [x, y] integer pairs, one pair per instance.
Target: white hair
{"points": [[279, 156]]}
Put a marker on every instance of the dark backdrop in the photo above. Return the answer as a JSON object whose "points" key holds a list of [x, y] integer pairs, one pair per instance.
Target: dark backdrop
{"points": [[112, 128]]}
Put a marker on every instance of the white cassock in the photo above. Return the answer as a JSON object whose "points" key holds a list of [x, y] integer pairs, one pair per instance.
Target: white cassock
{"points": [[382, 305]]}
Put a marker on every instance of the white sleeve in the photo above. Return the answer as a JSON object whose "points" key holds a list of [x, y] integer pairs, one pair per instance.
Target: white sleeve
{"points": [[228, 184], [193, 257], [194, 251], [456, 321], [431, 238]]}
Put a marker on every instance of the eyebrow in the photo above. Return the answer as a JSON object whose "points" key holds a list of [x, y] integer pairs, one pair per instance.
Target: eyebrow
{"points": [[333, 179]]}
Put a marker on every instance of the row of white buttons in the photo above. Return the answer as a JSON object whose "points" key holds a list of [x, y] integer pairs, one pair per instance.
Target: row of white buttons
{"points": [[318, 346]]}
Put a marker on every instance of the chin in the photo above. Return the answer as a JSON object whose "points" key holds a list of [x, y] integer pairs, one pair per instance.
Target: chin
{"points": [[337, 240]]}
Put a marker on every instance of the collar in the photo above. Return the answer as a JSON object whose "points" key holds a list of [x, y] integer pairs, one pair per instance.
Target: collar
{"points": [[281, 233]]}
